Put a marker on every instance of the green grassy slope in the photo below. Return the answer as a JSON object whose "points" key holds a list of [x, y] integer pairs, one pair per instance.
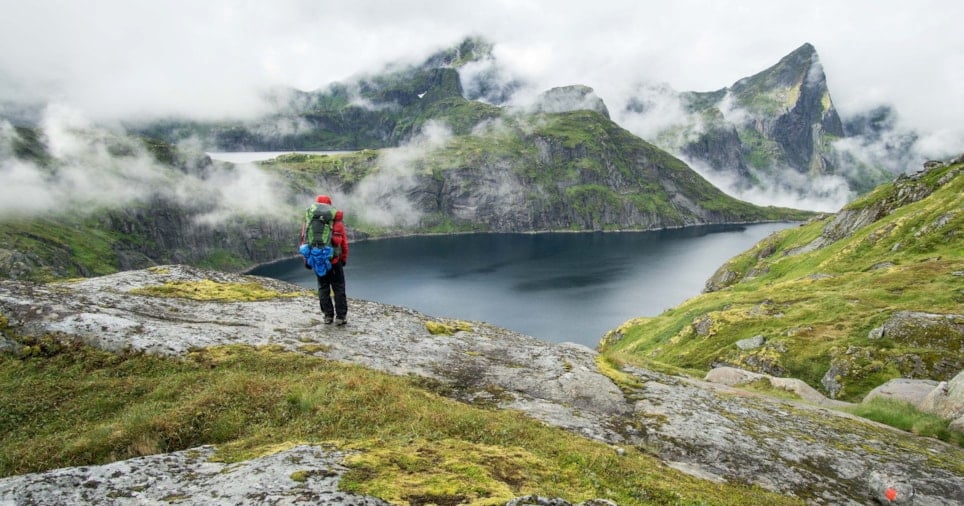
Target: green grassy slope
{"points": [[74, 405], [816, 309]]}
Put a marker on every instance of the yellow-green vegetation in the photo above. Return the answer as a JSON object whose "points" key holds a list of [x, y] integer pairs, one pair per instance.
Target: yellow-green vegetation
{"points": [[817, 308], [447, 327], [765, 386], [76, 245], [904, 415], [611, 367], [302, 169], [208, 290], [77, 405]]}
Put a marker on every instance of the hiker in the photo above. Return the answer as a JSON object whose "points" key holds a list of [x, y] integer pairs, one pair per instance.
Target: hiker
{"points": [[325, 248]]}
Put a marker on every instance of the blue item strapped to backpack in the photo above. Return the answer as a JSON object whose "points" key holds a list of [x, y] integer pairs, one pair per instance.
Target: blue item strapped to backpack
{"points": [[318, 258]]}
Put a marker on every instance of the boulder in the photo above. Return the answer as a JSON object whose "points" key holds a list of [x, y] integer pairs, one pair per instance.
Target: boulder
{"points": [[732, 376], [912, 391], [751, 342], [947, 400]]}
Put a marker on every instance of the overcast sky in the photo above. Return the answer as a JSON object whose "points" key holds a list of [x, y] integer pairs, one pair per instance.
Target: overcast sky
{"points": [[115, 58]]}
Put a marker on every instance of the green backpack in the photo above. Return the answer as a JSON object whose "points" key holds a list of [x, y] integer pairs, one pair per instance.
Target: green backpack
{"points": [[318, 232]]}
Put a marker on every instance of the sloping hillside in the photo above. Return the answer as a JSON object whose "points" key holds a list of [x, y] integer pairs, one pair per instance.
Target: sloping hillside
{"points": [[844, 302], [215, 386], [564, 171]]}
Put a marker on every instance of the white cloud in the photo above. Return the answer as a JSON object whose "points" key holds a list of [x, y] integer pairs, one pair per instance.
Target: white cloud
{"points": [[382, 199], [91, 167], [116, 58], [825, 193]]}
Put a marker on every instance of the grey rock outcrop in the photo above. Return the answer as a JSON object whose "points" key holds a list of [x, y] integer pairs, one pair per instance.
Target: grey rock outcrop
{"points": [[906, 190], [733, 377], [300, 475], [709, 430], [923, 329], [751, 342], [947, 401], [570, 98], [902, 389]]}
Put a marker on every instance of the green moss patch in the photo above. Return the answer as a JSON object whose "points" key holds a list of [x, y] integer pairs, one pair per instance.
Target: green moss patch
{"points": [[448, 327], [208, 290]]}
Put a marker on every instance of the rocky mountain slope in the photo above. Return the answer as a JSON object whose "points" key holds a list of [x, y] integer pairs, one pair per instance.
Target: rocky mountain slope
{"points": [[844, 302], [721, 436], [551, 171], [534, 172], [373, 111], [777, 129]]}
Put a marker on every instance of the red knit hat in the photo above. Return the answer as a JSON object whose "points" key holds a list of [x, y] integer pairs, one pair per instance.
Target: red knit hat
{"points": [[323, 199]]}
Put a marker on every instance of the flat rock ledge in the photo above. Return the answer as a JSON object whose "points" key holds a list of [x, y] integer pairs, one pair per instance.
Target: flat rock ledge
{"points": [[714, 431]]}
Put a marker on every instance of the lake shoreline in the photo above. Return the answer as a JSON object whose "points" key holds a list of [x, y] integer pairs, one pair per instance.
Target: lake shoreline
{"points": [[553, 285], [262, 265]]}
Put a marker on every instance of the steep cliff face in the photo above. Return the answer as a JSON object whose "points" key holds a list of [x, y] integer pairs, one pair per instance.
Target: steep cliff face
{"points": [[777, 130], [567, 171], [784, 114], [163, 232]]}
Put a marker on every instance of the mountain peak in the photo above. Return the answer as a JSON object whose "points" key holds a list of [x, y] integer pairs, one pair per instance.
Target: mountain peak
{"points": [[571, 98], [470, 49], [806, 49], [801, 66]]}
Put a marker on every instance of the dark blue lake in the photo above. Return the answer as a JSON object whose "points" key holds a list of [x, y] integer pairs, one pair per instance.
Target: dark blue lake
{"points": [[554, 286]]}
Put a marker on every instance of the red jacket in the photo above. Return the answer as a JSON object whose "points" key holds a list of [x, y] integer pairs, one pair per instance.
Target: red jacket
{"points": [[339, 238]]}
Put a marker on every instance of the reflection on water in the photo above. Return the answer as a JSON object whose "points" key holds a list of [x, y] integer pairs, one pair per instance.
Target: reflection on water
{"points": [[554, 286]]}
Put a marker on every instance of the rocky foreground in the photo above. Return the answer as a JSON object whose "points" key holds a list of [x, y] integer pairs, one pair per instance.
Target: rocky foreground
{"points": [[720, 433]]}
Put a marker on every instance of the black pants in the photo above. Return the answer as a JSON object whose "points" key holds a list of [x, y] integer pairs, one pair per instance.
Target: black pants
{"points": [[333, 281]]}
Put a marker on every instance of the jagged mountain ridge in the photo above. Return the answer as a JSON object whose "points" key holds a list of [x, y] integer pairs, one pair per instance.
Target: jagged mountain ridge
{"points": [[765, 128], [495, 170], [774, 131], [777, 130], [367, 112]]}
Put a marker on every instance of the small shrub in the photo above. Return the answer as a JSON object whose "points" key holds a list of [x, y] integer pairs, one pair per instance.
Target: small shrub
{"points": [[905, 416]]}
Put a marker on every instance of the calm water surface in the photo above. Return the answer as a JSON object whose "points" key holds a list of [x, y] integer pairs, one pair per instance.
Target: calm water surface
{"points": [[554, 286]]}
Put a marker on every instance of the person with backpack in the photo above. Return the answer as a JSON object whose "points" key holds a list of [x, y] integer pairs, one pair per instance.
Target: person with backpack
{"points": [[324, 244]]}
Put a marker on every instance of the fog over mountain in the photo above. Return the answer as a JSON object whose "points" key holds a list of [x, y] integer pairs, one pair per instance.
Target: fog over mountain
{"points": [[120, 58], [87, 167], [126, 60]]}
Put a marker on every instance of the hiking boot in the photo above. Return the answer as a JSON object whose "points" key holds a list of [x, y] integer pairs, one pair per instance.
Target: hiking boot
{"points": [[329, 319], [341, 321]]}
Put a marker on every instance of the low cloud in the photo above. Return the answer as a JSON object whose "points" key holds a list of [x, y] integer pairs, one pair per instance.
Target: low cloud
{"points": [[383, 199], [488, 81], [91, 168], [84, 173], [652, 109], [826, 193]]}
